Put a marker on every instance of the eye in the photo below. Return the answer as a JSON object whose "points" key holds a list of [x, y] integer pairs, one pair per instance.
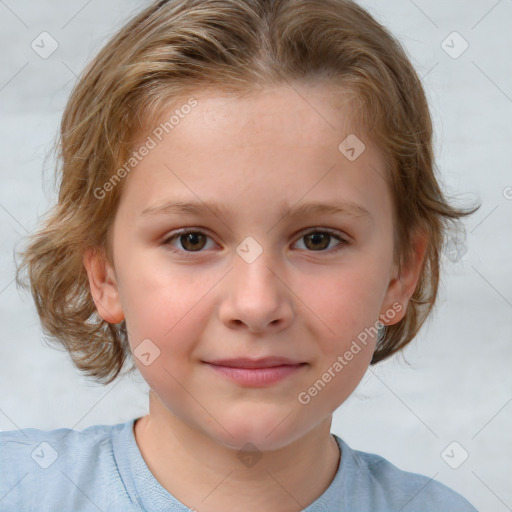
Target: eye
{"points": [[315, 240], [191, 241], [318, 240]]}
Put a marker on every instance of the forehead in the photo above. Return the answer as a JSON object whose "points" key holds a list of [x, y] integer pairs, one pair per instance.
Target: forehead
{"points": [[279, 144], [262, 112]]}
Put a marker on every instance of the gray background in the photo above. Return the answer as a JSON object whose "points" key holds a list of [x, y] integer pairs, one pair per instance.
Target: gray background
{"points": [[456, 384]]}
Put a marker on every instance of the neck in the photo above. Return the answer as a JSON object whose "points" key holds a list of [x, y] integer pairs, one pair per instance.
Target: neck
{"points": [[205, 475]]}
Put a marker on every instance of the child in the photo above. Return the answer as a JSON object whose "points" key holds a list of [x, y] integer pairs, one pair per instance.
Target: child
{"points": [[294, 139]]}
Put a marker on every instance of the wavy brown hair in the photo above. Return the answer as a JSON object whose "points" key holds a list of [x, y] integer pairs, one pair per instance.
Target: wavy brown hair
{"points": [[175, 48]]}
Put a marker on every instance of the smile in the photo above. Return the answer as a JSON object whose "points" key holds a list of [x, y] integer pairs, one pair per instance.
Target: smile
{"points": [[257, 377]]}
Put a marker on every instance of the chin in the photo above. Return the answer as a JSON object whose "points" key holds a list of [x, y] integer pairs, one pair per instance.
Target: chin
{"points": [[266, 433]]}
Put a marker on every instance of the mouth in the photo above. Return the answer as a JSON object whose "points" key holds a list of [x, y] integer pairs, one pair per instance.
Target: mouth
{"points": [[256, 372], [265, 362]]}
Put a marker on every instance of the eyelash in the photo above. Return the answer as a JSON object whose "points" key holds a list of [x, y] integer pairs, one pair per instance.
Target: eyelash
{"points": [[335, 234]]}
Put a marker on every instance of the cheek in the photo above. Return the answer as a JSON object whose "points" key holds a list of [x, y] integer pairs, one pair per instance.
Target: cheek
{"points": [[165, 305], [348, 307], [338, 374], [345, 302]]}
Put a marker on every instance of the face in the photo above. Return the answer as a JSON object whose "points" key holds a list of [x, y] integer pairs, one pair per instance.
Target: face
{"points": [[257, 277]]}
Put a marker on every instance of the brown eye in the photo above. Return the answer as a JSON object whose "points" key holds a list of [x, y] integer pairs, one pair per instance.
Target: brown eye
{"points": [[192, 241], [319, 241], [189, 241], [195, 241]]}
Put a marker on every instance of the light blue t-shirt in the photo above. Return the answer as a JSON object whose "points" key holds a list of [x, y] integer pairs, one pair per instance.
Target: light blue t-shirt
{"points": [[101, 469]]}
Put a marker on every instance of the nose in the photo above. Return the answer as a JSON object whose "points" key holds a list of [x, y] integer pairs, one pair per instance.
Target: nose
{"points": [[256, 298]]}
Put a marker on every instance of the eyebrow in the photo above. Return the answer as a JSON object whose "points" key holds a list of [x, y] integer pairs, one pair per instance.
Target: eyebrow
{"points": [[314, 208]]}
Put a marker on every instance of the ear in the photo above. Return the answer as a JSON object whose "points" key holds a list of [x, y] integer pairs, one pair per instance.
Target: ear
{"points": [[402, 285], [103, 286]]}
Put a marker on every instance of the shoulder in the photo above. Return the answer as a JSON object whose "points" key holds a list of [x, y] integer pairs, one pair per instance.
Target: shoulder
{"points": [[39, 467], [27, 447], [386, 487]]}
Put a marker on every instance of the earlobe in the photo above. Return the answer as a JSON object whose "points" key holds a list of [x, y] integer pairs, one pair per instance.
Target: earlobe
{"points": [[403, 284], [103, 286]]}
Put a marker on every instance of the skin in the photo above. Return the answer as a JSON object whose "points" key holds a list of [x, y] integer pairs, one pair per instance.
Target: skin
{"points": [[256, 155]]}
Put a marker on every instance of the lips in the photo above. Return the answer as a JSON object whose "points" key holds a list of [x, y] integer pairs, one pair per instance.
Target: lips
{"points": [[256, 373], [265, 362]]}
